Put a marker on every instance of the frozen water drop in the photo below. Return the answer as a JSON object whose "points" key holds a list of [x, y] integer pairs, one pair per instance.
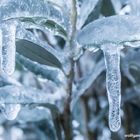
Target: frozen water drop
{"points": [[8, 47], [10, 111], [113, 84]]}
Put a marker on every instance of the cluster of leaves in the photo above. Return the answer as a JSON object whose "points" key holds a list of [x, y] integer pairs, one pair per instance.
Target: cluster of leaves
{"points": [[60, 85]]}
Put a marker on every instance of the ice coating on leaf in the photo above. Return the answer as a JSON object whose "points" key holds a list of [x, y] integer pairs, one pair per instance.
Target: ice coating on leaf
{"points": [[29, 8], [8, 47], [113, 29], [113, 84], [85, 10], [10, 111], [35, 114]]}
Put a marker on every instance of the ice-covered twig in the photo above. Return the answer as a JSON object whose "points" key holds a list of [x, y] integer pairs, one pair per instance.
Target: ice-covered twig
{"points": [[24, 95], [87, 82], [8, 47]]}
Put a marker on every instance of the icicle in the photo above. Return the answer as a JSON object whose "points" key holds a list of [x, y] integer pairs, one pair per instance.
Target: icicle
{"points": [[8, 47], [10, 111], [113, 83]]}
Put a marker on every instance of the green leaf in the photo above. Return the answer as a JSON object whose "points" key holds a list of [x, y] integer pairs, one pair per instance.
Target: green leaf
{"points": [[56, 28], [37, 53], [95, 13], [49, 25], [107, 8], [37, 69], [35, 12]]}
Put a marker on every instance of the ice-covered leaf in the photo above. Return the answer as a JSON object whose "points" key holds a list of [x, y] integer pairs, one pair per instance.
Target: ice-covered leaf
{"points": [[117, 5], [24, 95], [7, 80], [55, 28], [14, 9], [10, 111], [86, 8], [114, 29], [95, 14], [37, 53], [107, 8], [44, 25], [44, 71], [34, 114], [135, 7], [58, 2]]}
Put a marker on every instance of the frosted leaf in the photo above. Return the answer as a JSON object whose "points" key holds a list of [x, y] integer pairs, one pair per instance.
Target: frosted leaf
{"points": [[27, 35], [35, 114], [21, 95], [113, 29], [30, 8], [8, 47], [10, 111], [85, 10], [113, 84], [58, 2]]}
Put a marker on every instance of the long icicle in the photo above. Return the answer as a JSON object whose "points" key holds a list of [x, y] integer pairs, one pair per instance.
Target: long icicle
{"points": [[8, 48], [113, 84]]}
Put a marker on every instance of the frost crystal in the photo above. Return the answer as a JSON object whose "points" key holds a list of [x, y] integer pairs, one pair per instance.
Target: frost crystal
{"points": [[113, 84]]}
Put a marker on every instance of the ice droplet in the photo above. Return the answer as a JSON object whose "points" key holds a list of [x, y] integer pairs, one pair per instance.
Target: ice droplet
{"points": [[8, 47], [113, 84], [10, 111]]}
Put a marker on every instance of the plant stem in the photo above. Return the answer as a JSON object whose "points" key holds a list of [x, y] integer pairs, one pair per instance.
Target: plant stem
{"points": [[67, 116]]}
